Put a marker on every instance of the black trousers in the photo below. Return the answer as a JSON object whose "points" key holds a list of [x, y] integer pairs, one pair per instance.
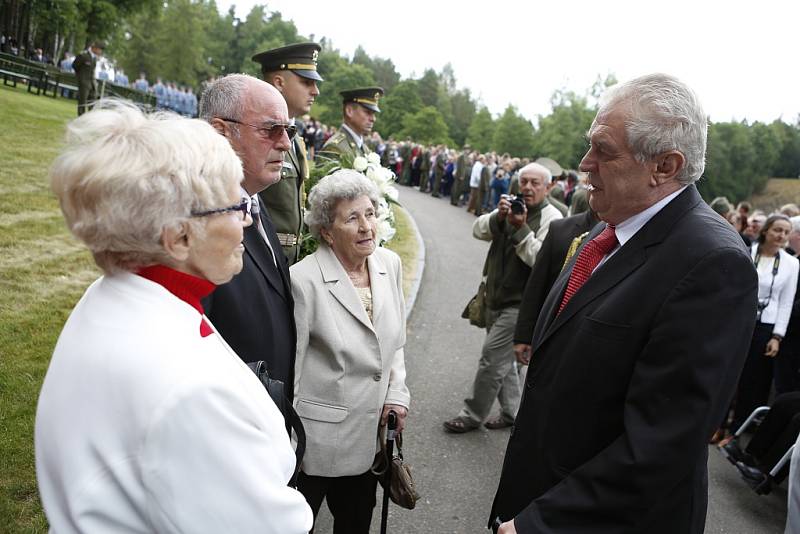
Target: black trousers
{"points": [[777, 433], [756, 379], [350, 499], [787, 365]]}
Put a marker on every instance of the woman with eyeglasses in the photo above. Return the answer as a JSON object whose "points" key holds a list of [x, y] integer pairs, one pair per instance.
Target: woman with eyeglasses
{"points": [[147, 421], [777, 283]]}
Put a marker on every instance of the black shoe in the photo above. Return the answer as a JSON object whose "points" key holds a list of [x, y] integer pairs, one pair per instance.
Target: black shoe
{"points": [[752, 475], [734, 453]]}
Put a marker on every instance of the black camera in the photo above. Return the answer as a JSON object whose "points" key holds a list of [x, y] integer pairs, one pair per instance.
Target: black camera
{"points": [[517, 204]]}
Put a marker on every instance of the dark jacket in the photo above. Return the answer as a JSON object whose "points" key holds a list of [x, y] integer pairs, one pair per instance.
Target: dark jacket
{"points": [[627, 383], [254, 312], [549, 263]]}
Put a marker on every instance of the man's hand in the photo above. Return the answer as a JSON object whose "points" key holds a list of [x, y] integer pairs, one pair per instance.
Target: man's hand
{"points": [[503, 208], [518, 219], [507, 528], [523, 353], [401, 412], [773, 346]]}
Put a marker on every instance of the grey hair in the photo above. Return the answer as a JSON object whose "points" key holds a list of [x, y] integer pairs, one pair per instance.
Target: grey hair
{"points": [[344, 184], [224, 98], [795, 223], [663, 114], [123, 177], [540, 168]]}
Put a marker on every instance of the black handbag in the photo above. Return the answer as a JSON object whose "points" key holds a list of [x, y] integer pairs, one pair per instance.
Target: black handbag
{"points": [[277, 391]]}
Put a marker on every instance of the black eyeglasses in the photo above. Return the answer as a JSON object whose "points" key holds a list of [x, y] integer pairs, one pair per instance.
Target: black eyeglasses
{"points": [[272, 132], [243, 207]]}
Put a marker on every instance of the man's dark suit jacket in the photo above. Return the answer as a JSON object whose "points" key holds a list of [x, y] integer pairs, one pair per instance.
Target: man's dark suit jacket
{"points": [[84, 64], [254, 312], [629, 381], [549, 263]]}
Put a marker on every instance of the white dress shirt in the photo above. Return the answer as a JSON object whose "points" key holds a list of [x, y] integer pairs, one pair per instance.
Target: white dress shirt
{"points": [[630, 226]]}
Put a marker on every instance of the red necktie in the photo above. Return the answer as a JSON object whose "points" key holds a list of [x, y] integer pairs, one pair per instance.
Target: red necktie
{"points": [[587, 261]]}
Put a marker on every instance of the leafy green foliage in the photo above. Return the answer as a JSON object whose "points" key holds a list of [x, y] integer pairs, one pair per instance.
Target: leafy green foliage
{"points": [[403, 100], [513, 134], [562, 134], [480, 134], [426, 126]]}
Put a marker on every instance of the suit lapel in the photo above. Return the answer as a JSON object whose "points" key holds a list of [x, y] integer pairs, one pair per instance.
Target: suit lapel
{"points": [[280, 257], [626, 260], [259, 252], [379, 285], [340, 287]]}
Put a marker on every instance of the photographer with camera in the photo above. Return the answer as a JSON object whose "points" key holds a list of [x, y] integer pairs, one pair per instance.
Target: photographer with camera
{"points": [[516, 230]]}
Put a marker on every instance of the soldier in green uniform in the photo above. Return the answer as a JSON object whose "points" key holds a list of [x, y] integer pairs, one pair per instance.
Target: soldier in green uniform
{"points": [[425, 169], [359, 107], [292, 70], [460, 176], [439, 164]]}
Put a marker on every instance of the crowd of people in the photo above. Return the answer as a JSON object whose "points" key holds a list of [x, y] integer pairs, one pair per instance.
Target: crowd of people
{"points": [[605, 282]]}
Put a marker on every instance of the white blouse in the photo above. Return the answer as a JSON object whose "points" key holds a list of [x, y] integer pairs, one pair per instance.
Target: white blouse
{"points": [[779, 303]]}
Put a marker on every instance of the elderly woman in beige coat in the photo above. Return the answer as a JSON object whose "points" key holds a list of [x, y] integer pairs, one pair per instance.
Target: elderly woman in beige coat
{"points": [[350, 369]]}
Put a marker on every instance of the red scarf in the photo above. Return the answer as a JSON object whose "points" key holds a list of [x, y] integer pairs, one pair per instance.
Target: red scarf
{"points": [[186, 287]]}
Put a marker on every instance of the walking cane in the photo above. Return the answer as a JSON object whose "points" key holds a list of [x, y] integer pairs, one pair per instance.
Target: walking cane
{"points": [[391, 428]]}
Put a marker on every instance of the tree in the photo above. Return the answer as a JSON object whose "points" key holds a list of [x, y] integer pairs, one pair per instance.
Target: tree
{"points": [[788, 164], [383, 70], [343, 76], [401, 101], [513, 133], [463, 112], [180, 41], [562, 134], [429, 87], [480, 134], [732, 168], [426, 126]]}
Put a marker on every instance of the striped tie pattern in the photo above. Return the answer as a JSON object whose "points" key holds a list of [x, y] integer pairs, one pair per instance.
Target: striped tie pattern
{"points": [[587, 261]]}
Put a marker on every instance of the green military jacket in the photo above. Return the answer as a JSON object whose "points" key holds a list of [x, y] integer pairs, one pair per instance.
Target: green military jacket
{"points": [[285, 199], [342, 144]]}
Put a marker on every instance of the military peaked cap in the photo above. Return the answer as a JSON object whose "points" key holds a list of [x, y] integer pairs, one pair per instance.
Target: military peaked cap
{"points": [[300, 58], [366, 96]]}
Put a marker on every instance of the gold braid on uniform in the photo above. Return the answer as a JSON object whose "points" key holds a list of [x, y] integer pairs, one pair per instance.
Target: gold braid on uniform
{"points": [[573, 248]]}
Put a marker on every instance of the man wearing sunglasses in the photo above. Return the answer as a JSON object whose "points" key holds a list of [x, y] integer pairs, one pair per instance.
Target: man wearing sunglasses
{"points": [[292, 70], [359, 107], [254, 312]]}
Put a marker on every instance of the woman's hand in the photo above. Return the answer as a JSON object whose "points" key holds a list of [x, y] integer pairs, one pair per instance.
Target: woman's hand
{"points": [[773, 346], [507, 528], [401, 412]]}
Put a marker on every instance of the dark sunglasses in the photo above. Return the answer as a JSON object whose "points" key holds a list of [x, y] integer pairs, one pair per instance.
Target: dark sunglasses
{"points": [[243, 207], [273, 132]]}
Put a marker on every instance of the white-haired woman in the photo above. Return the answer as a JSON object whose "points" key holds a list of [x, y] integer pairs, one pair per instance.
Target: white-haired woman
{"points": [[147, 421], [350, 368]]}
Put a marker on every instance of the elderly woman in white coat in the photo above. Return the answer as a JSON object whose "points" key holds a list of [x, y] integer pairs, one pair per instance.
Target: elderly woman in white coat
{"points": [[350, 369], [147, 421]]}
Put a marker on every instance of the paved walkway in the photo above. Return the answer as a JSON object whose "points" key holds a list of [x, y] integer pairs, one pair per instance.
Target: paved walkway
{"points": [[457, 474]]}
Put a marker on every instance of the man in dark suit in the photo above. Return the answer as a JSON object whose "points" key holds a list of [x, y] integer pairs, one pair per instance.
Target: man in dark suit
{"points": [[84, 65], [640, 343], [254, 312], [549, 264]]}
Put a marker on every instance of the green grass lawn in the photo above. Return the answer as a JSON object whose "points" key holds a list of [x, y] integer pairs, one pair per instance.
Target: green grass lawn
{"points": [[43, 272]]}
